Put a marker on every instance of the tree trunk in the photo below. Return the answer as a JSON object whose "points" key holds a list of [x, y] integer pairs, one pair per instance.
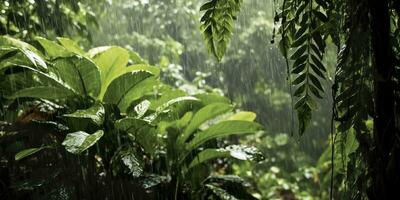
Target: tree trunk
{"points": [[386, 167]]}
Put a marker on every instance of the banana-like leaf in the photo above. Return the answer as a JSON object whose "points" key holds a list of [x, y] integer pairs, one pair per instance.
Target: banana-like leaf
{"points": [[143, 88], [117, 91], [240, 152], [163, 108], [52, 49], [6, 41], [223, 129], [27, 152], [130, 124], [11, 56], [95, 114], [79, 73], [70, 45], [111, 62], [43, 92], [208, 112], [78, 142], [144, 133]]}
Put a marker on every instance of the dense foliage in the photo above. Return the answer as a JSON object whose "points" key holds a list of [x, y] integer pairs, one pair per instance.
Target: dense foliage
{"points": [[148, 119], [110, 99]]}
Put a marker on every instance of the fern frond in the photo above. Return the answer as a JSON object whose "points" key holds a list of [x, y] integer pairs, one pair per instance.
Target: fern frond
{"points": [[308, 47], [217, 24]]}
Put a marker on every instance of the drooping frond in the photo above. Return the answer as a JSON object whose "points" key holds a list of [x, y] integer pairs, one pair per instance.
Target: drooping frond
{"points": [[302, 35], [217, 24]]}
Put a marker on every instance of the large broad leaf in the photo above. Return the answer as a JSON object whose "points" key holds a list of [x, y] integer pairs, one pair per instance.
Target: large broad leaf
{"points": [[163, 108], [208, 112], [12, 55], [145, 87], [144, 133], [70, 45], [44, 92], [223, 129], [52, 49], [21, 54], [27, 152], [30, 86], [135, 58], [94, 113], [78, 142], [117, 92], [240, 152], [79, 73], [112, 62]]}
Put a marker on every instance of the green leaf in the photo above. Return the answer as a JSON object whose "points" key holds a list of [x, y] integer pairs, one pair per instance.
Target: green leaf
{"points": [[142, 108], [95, 114], [208, 5], [52, 49], [223, 129], [299, 91], [217, 24], [208, 112], [243, 116], [119, 92], [134, 165], [318, 63], [80, 141], [240, 152], [27, 152], [163, 108], [209, 98], [14, 56], [112, 63], [299, 52], [43, 92], [6, 41], [136, 59], [299, 68], [144, 133], [70, 45], [320, 16], [300, 41], [315, 82], [304, 116], [302, 77], [79, 73]]}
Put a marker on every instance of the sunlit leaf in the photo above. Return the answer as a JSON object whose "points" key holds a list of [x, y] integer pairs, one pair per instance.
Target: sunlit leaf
{"points": [[208, 112], [223, 129], [240, 152]]}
